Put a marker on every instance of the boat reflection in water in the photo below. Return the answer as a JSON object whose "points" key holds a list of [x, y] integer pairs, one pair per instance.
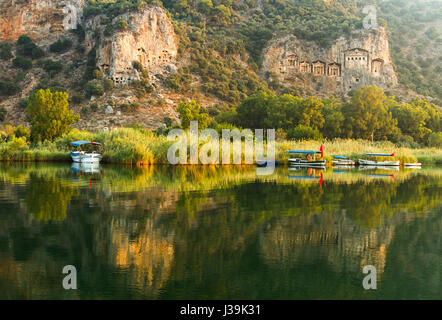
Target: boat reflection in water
{"points": [[89, 168], [389, 168]]}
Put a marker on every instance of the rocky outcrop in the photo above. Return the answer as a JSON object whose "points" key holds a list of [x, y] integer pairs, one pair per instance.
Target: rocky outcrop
{"points": [[42, 20], [149, 39], [363, 58]]}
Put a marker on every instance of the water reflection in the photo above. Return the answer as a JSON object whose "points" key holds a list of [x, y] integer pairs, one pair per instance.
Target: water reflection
{"points": [[212, 232]]}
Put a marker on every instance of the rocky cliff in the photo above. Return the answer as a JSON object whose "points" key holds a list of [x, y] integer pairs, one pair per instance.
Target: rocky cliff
{"points": [[42, 20], [362, 58], [149, 39]]}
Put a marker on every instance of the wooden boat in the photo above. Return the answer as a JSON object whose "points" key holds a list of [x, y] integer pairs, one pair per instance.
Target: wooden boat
{"points": [[85, 157], [413, 165], [363, 162], [342, 161], [306, 163]]}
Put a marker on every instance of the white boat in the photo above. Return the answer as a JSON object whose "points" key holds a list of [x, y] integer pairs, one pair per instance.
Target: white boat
{"points": [[306, 163], [85, 157], [343, 162], [413, 164], [378, 163]]}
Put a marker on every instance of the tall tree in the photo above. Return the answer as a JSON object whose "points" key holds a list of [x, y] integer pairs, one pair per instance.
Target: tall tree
{"points": [[49, 115], [367, 117]]}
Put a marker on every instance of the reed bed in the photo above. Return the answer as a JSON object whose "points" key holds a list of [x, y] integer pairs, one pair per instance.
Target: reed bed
{"points": [[142, 147]]}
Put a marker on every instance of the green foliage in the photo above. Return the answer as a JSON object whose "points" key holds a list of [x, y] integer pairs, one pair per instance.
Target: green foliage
{"points": [[302, 132], [121, 25], [20, 131], [368, 118], [3, 113], [191, 111], [61, 46], [435, 140], [9, 87], [5, 51], [21, 62], [26, 47], [77, 98], [23, 103], [52, 67], [49, 115], [108, 84], [129, 107], [93, 88]]}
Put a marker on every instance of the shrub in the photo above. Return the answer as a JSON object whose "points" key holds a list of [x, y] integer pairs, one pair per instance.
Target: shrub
{"points": [[61, 46], [23, 63], [23, 103], [108, 84], [28, 48], [302, 132], [77, 98], [93, 88], [5, 51], [435, 140], [52, 67], [121, 25], [3, 113], [127, 107], [8, 87], [20, 131]]}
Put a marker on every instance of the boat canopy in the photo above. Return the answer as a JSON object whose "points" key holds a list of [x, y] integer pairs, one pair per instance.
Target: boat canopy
{"points": [[82, 142], [340, 157], [380, 154], [303, 151]]}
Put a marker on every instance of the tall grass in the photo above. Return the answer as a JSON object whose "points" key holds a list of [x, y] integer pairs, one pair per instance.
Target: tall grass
{"points": [[142, 147]]}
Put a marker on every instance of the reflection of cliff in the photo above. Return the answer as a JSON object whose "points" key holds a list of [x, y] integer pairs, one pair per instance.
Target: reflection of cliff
{"points": [[144, 252], [332, 237]]}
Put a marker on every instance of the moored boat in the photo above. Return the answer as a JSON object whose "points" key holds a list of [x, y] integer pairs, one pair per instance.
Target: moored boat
{"points": [[414, 165], [310, 162], [80, 156], [307, 163], [342, 161], [363, 162]]}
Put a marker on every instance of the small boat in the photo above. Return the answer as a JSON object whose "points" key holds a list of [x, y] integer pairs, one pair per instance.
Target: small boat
{"points": [[413, 165], [85, 157], [306, 163], [313, 163], [342, 161], [363, 162], [379, 163]]}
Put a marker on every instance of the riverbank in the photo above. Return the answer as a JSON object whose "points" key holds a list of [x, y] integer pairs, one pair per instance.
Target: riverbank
{"points": [[142, 147]]}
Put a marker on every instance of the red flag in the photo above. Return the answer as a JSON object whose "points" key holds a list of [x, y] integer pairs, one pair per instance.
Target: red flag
{"points": [[92, 141], [321, 179], [322, 151]]}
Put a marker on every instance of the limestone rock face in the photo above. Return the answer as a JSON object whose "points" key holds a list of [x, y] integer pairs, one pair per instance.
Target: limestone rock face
{"points": [[149, 39], [363, 58], [42, 20]]}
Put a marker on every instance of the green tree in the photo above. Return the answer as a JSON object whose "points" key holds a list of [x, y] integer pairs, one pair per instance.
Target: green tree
{"points": [[192, 112], [49, 115], [367, 117], [334, 119]]}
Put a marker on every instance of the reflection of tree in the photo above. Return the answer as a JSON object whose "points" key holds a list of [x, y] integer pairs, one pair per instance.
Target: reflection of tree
{"points": [[47, 199]]}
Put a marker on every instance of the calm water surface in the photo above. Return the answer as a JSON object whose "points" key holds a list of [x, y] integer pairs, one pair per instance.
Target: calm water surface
{"points": [[219, 233]]}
